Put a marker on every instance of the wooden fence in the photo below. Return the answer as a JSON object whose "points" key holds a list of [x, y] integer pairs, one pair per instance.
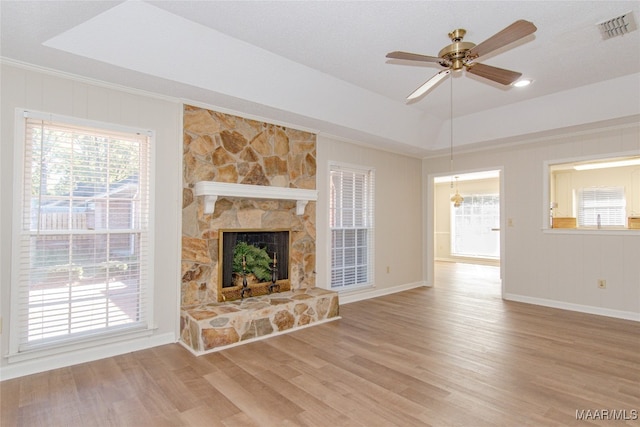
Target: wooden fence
{"points": [[63, 221]]}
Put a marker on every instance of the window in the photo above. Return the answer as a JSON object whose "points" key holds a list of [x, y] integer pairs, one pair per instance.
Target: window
{"points": [[474, 225], [82, 246], [601, 207], [351, 223]]}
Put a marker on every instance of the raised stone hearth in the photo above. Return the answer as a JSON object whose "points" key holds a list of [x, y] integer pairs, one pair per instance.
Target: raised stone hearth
{"points": [[214, 326]]}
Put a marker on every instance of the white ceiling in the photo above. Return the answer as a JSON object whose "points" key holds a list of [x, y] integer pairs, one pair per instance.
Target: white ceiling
{"points": [[321, 65]]}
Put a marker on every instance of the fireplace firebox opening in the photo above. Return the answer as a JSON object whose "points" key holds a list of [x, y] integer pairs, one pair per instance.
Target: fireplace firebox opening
{"points": [[252, 263]]}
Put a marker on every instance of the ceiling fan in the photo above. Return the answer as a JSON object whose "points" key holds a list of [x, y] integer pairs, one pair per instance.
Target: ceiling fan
{"points": [[460, 54]]}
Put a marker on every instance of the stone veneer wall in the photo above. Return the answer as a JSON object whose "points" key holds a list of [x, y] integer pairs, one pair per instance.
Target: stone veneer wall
{"points": [[225, 148]]}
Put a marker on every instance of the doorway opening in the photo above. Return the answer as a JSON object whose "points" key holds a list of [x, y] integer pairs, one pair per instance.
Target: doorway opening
{"points": [[468, 232]]}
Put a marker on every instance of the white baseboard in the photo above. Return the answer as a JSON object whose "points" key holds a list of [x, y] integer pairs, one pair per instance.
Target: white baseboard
{"points": [[62, 360], [619, 314], [470, 260], [348, 297]]}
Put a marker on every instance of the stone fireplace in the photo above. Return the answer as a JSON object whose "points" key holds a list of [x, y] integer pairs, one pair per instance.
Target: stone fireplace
{"points": [[244, 175]]}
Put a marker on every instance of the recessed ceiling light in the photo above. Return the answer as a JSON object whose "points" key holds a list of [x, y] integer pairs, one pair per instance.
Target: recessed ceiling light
{"points": [[522, 83]]}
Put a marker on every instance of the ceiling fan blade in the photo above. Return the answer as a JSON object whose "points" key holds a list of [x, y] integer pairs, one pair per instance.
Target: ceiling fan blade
{"points": [[513, 32], [413, 57], [428, 85], [498, 75]]}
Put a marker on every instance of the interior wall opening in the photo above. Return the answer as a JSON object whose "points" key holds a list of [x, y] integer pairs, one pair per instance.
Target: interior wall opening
{"points": [[469, 232]]}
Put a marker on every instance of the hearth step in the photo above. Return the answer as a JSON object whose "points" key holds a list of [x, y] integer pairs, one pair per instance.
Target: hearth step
{"points": [[210, 327]]}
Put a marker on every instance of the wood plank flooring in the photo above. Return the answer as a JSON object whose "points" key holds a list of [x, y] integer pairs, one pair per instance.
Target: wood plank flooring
{"points": [[452, 355]]}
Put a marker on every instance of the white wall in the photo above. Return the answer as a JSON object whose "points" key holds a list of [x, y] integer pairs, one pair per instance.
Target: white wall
{"points": [[24, 88], [398, 216], [553, 267]]}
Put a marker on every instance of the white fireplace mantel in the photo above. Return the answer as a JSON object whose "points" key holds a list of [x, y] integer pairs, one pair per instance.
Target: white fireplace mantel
{"points": [[211, 190]]}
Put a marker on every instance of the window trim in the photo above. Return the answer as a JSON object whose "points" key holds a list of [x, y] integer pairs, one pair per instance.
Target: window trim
{"points": [[332, 166], [82, 342]]}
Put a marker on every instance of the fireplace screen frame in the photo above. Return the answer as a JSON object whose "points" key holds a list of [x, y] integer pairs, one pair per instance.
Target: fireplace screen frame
{"points": [[232, 291]]}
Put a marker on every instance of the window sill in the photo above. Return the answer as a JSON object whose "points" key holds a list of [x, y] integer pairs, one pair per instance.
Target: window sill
{"points": [[593, 231], [352, 288], [70, 346]]}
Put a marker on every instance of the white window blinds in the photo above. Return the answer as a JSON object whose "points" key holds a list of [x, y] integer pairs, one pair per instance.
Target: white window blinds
{"points": [[601, 207], [351, 221], [83, 241]]}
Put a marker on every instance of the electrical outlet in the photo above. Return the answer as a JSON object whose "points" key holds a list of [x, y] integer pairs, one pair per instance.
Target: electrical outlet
{"points": [[602, 284], [388, 269]]}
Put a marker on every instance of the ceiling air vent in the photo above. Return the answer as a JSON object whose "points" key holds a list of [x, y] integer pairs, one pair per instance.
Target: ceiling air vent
{"points": [[619, 26]]}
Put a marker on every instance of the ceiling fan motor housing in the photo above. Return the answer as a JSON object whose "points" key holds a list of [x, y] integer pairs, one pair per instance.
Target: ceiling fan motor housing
{"points": [[456, 53]]}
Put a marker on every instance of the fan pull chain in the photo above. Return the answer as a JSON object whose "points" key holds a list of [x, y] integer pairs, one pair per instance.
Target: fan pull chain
{"points": [[451, 129]]}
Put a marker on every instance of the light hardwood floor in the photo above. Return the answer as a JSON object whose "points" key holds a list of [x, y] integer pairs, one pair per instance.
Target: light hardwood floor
{"points": [[455, 354]]}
